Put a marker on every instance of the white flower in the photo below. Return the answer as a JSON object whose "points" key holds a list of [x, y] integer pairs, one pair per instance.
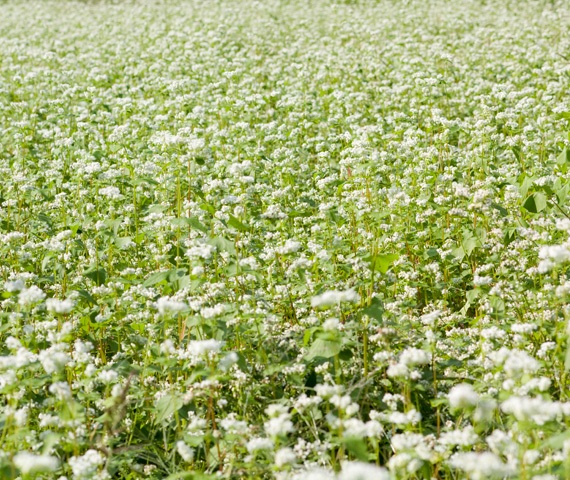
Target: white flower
{"points": [[258, 443], [334, 297], [480, 465], [201, 347], [563, 224], [111, 192], [211, 312], [363, 471], [13, 343], [502, 444], [185, 451], [29, 463], [285, 456], [531, 456], [198, 270], [30, 296], [314, 474], [21, 416], [107, 376], [556, 253], [464, 437], [518, 362], [233, 426], [14, 286], [228, 361], [462, 396], [415, 356], [203, 251], [276, 410], [398, 370], [278, 426], [53, 361], [331, 324], [165, 305], [533, 409], [430, 318], [291, 246], [61, 390], [87, 465], [544, 266], [480, 281], [59, 306]]}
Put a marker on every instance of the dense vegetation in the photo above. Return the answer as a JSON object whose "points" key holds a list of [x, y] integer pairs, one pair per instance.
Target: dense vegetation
{"points": [[284, 239]]}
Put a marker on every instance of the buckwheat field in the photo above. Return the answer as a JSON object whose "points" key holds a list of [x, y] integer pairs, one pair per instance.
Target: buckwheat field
{"points": [[291, 240]]}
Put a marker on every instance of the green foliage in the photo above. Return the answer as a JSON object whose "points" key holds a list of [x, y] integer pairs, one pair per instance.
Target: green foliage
{"points": [[248, 239]]}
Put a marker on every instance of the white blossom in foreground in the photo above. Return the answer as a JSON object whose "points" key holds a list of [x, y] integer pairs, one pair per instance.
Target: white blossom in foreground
{"points": [[87, 465], [30, 296], [313, 474], [202, 347], [14, 286], [285, 456], [53, 360], [259, 443], [462, 396], [334, 297], [552, 255], [185, 451], [112, 193], [363, 471], [30, 463], [59, 306], [534, 409], [166, 305], [479, 466]]}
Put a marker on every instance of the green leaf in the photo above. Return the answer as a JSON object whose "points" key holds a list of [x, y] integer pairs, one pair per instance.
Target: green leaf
{"points": [[535, 203], [223, 245], [50, 440], [8, 472], [357, 447], [166, 406], [46, 219], [564, 157], [114, 225], [517, 153], [469, 244], [188, 476], [208, 208], [235, 223], [375, 310], [323, 348], [510, 235], [524, 184], [382, 262], [473, 295], [190, 221], [436, 402], [458, 253], [156, 278], [98, 275], [431, 252], [123, 242], [503, 211], [85, 295], [556, 442], [307, 336], [561, 191]]}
